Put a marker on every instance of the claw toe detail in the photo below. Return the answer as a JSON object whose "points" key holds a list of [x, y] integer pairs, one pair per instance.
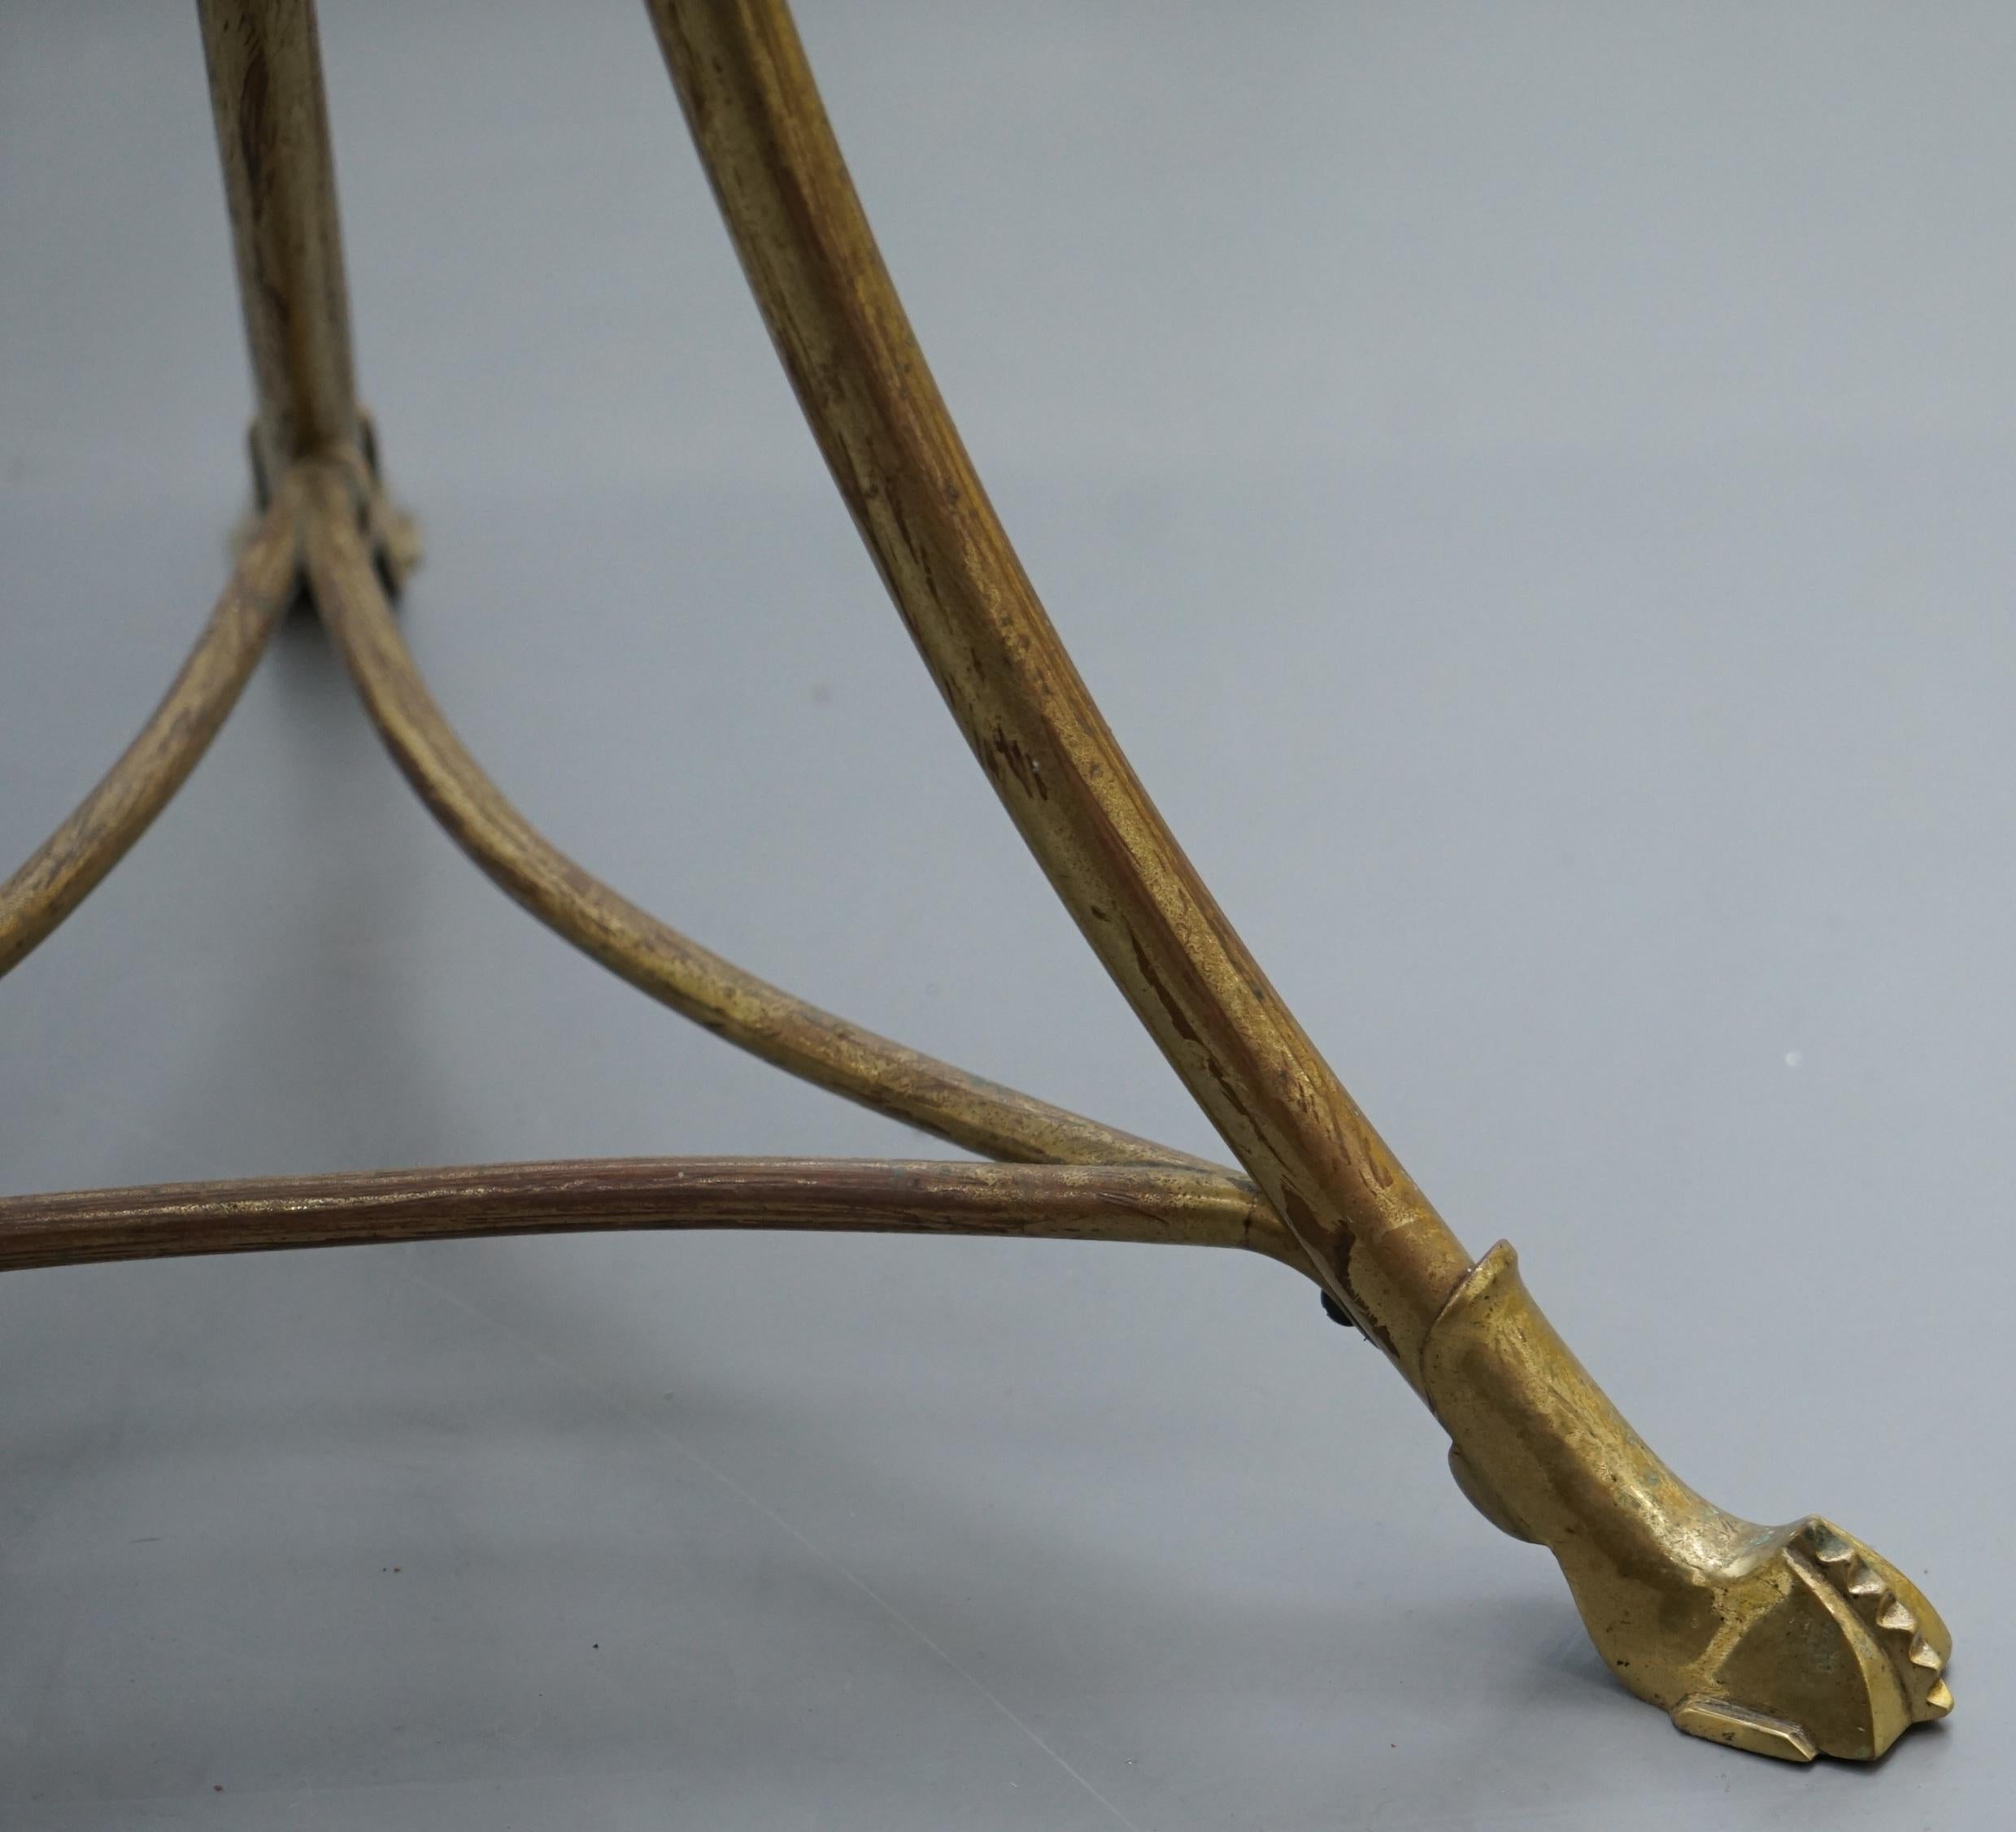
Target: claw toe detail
{"points": [[1792, 1641], [1905, 1626]]}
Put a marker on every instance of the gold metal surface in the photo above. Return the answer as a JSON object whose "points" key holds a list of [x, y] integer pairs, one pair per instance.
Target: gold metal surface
{"points": [[1788, 1642], [265, 62], [1377, 1246], [70, 864], [1160, 1205], [1785, 1641], [904, 1083]]}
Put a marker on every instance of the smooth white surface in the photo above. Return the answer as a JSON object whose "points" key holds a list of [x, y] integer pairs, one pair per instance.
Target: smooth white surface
{"points": [[1529, 486]]}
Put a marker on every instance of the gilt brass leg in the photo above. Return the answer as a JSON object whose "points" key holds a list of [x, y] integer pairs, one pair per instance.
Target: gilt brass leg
{"points": [[1788, 1642], [265, 65]]}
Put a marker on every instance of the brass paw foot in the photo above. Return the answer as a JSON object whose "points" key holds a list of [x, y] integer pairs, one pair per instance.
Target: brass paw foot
{"points": [[1791, 1641]]}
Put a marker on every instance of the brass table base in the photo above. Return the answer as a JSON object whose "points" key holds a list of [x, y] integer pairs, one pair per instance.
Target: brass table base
{"points": [[1789, 1641]]}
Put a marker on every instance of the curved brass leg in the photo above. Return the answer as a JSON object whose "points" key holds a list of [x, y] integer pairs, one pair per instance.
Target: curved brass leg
{"points": [[1377, 1246], [1789, 1641]]}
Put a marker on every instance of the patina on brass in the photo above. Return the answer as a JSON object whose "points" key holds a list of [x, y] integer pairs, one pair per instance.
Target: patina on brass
{"points": [[1789, 1641]]}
